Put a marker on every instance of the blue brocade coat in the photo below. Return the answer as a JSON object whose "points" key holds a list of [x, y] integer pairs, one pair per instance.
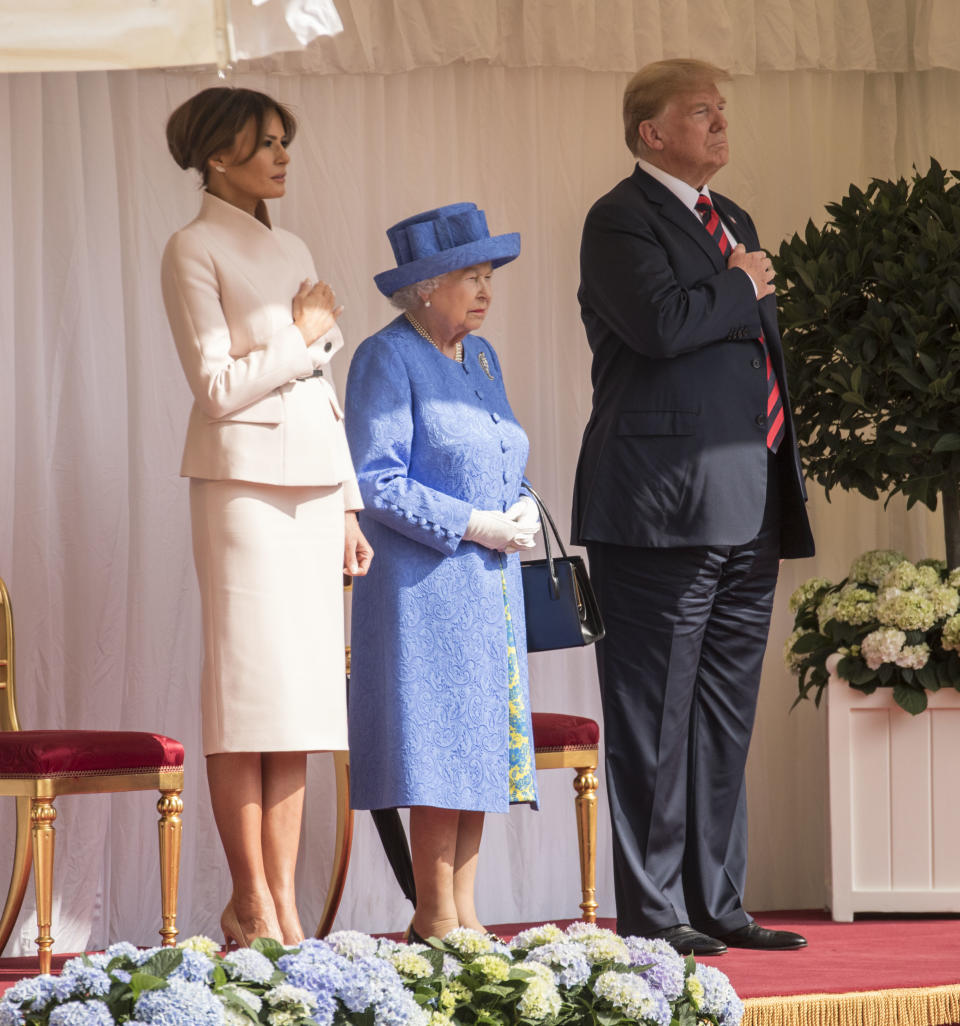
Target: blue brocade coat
{"points": [[431, 440]]}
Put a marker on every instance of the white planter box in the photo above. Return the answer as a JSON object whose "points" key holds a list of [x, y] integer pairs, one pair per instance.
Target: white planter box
{"points": [[894, 806]]}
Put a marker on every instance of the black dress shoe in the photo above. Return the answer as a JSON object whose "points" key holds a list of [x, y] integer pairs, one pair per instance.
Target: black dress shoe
{"points": [[687, 941], [753, 935]]}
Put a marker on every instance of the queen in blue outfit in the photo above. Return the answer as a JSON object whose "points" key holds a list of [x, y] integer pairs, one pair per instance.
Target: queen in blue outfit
{"points": [[439, 711]]}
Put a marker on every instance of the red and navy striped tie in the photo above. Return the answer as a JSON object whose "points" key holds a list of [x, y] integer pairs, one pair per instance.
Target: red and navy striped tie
{"points": [[711, 221]]}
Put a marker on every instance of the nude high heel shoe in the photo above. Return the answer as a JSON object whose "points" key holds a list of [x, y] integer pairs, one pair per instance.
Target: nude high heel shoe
{"points": [[233, 935]]}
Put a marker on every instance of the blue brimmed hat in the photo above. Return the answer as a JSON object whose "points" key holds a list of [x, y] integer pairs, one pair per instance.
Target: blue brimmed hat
{"points": [[441, 240]]}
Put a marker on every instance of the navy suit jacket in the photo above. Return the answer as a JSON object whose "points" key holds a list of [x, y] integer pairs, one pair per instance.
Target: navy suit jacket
{"points": [[674, 453]]}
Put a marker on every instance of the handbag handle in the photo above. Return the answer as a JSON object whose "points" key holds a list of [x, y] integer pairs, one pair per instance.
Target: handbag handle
{"points": [[545, 515]]}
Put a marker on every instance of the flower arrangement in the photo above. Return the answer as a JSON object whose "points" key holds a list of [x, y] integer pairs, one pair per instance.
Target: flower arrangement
{"points": [[889, 623], [578, 977]]}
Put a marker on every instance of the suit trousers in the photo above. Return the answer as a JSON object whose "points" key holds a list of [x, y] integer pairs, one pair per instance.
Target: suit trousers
{"points": [[679, 676]]}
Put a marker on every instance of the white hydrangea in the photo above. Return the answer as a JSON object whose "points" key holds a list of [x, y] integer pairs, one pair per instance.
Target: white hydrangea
{"points": [[914, 657], [793, 659], [468, 942], [807, 592], [540, 1000], [951, 634], [536, 936], [872, 567], [882, 646], [908, 610]]}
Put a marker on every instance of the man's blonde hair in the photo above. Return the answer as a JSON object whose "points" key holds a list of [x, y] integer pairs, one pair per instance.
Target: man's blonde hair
{"points": [[655, 85]]}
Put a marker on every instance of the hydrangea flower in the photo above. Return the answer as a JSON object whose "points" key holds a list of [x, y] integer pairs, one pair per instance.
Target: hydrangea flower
{"points": [[566, 958], [201, 943], [856, 605], [794, 660], [407, 962], [248, 964], [914, 657], [540, 1000], [882, 646], [951, 634], [632, 996], [182, 1001], [946, 600], [580, 929], [10, 1015], [533, 937], [600, 948], [454, 992], [82, 1013], [908, 610], [872, 567], [719, 998], [666, 972], [352, 943], [290, 1005], [808, 593], [468, 942], [195, 967], [33, 992], [491, 967], [84, 980]]}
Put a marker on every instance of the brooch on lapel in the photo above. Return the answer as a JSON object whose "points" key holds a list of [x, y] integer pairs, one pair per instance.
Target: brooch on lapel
{"points": [[484, 366]]}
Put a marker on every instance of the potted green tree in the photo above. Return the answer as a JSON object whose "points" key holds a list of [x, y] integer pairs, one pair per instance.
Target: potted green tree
{"points": [[870, 311]]}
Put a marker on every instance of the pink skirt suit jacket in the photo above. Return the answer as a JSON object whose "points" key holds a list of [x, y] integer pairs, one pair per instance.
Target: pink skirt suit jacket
{"points": [[271, 478]]}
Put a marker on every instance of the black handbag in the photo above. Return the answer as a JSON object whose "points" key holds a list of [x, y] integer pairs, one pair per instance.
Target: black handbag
{"points": [[559, 604]]}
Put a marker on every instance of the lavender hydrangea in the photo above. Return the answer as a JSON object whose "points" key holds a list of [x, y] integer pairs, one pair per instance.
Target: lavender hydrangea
{"points": [[10, 1015], [666, 972], [33, 992], [181, 1001]]}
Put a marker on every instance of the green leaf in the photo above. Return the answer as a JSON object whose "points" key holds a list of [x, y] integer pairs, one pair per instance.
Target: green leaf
{"points": [[949, 442], [162, 962], [139, 982], [269, 947], [914, 700]]}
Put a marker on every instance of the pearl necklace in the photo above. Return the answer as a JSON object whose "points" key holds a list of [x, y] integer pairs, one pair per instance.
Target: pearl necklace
{"points": [[422, 331]]}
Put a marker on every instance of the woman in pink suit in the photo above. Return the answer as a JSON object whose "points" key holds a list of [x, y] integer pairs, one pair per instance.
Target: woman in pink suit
{"points": [[272, 494]]}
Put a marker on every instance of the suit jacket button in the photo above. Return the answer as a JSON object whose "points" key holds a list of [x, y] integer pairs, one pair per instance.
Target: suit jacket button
{"points": [[761, 420], [755, 362]]}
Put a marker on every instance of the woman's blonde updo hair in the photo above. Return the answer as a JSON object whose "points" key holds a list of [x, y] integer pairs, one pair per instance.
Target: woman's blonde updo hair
{"points": [[209, 123]]}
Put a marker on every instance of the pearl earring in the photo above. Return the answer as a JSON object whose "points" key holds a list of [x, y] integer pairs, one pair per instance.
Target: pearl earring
{"points": [[220, 168], [426, 302]]}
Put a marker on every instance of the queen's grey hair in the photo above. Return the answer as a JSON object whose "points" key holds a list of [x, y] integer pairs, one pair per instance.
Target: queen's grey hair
{"points": [[411, 296]]}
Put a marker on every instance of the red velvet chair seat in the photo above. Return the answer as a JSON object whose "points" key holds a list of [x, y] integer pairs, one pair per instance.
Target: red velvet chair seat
{"points": [[72, 753], [558, 732]]}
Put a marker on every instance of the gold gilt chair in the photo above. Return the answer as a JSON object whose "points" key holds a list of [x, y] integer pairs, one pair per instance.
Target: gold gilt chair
{"points": [[37, 766], [572, 742]]}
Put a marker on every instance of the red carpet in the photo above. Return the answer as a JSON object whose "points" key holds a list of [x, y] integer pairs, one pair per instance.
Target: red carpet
{"points": [[890, 971]]}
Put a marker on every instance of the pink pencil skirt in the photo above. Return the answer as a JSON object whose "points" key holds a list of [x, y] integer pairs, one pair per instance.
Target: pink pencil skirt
{"points": [[269, 562]]}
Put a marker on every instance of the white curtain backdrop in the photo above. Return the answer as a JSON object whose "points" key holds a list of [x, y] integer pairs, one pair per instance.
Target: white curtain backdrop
{"points": [[94, 534]]}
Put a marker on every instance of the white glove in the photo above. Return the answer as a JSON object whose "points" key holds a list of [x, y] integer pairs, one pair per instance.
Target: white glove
{"points": [[525, 513], [495, 530]]}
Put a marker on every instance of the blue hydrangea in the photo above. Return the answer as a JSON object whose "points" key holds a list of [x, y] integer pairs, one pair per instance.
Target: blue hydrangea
{"points": [[10, 1014], [719, 997], [33, 992], [123, 949], [85, 980], [180, 1002], [319, 970], [81, 1013], [666, 972], [247, 964], [568, 961]]}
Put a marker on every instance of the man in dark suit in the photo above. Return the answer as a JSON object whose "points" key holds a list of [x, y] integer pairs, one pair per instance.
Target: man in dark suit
{"points": [[688, 493]]}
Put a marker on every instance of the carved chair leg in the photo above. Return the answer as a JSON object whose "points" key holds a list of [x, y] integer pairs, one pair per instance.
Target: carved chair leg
{"points": [[42, 815], [170, 806], [585, 784], [343, 846], [19, 875]]}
